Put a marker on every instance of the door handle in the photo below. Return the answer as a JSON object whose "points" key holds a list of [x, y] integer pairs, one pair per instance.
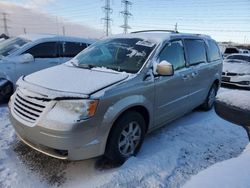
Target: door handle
{"points": [[185, 76], [194, 74]]}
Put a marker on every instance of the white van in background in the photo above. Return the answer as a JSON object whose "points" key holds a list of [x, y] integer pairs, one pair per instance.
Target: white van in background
{"points": [[26, 54]]}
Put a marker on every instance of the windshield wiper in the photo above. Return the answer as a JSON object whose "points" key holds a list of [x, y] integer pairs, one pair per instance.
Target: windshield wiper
{"points": [[86, 66]]}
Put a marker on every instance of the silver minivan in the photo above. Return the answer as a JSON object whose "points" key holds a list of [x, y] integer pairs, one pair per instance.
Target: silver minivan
{"points": [[29, 53], [107, 98]]}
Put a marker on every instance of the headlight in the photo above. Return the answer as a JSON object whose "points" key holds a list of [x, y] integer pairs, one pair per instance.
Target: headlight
{"points": [[85, 108]]}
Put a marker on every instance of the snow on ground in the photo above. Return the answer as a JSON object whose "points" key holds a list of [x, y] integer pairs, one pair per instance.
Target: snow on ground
{"points": [[168, 157], [235, 171], [230, 174]]}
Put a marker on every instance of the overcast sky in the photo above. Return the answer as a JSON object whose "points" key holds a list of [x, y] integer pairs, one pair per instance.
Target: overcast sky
{"points": [[222, 19]]}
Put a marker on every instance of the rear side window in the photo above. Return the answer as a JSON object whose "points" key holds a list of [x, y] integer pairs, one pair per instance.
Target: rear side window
{"points": [[213, 51], [196, 51], [174, 54], [44, 50], [71, 49]]}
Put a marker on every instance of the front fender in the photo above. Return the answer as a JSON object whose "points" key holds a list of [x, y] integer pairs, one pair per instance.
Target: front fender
{"points": [[124, 104], [115, 110]]}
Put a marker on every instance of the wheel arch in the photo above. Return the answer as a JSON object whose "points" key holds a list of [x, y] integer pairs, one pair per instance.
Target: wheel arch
{"points": [[137, 108]]}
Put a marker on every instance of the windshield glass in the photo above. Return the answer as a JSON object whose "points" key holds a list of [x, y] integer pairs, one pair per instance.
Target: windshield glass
{"points": [[238, 57], [120, 54], [10, 45]]}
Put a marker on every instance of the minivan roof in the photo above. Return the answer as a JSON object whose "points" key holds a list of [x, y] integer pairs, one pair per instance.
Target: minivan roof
{"points": [[160, 36], [34, 37]]}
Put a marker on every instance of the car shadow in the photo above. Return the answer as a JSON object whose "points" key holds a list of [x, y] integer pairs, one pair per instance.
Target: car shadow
{"points": [[52, 170], [48, 169]]}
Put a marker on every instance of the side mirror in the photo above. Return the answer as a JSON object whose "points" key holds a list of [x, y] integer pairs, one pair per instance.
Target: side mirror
{"points": [[26, 58], [164, 68]]}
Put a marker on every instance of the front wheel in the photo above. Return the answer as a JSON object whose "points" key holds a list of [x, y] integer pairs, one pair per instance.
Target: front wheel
{"points": [[209, 102], [126, 137]]}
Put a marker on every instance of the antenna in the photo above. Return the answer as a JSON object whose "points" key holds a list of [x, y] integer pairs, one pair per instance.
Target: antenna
{"points": [[126, 15]]}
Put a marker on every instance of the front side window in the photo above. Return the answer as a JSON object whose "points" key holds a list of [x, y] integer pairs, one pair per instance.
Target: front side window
{"points": [[174, 54], [119, 54], [44, 50], [196, 51], [71, 49], [11, 45]]}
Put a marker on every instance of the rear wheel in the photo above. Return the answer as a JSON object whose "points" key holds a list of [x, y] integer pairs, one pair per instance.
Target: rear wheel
{"points": [[126, 137], [6, 90], [209, 102]]}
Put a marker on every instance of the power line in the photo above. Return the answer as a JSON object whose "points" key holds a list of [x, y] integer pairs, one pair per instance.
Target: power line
{"points": [[126, 15], [5, 24], [63, 30], [107, 19], [176, 27]]}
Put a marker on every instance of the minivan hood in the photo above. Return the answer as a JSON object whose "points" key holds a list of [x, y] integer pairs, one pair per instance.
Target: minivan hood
{"points": [[70, 79], [239, 68]]}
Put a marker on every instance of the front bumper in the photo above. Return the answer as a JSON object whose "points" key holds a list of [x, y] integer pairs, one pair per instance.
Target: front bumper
{"points": [[236, 81], [70, 145]]}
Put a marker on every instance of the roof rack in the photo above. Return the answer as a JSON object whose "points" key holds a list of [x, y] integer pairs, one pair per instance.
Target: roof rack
{"points": [[144, 31]]}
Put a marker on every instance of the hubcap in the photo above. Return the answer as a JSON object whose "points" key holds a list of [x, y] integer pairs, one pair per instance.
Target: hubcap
{"points": [[129, 138]]}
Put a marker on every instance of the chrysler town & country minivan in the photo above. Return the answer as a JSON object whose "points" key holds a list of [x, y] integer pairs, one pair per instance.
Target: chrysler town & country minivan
{"points": [[106, 99]]}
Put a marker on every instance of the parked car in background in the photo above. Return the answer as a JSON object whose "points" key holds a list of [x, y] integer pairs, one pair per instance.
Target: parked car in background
{"points": [[236, 70], [110, 95], [230, 50], [29, 53], [245, 51]]}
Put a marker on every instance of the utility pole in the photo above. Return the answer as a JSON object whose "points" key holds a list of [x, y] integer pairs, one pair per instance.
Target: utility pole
{"points": [[5, 24], [63, 30], [126, 14], [107, 19], [176, 27]]}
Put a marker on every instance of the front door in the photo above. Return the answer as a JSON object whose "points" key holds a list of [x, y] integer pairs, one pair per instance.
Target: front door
{"points": [[172, 92], [45, 55]]}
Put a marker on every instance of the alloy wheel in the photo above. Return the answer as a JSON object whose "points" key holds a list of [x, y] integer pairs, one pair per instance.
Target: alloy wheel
{"points": [[129, 138]]}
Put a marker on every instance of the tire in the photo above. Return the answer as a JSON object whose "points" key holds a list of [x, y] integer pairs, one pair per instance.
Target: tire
{"points": [[210, 100], [6, 90], [126, 137]]}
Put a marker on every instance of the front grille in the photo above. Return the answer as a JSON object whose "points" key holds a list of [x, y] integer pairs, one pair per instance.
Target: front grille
{"points": [[231, 74], [28, 108]]}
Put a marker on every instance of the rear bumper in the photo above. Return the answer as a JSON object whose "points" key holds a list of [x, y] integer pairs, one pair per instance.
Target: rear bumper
{"points": [[70, 145]]}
